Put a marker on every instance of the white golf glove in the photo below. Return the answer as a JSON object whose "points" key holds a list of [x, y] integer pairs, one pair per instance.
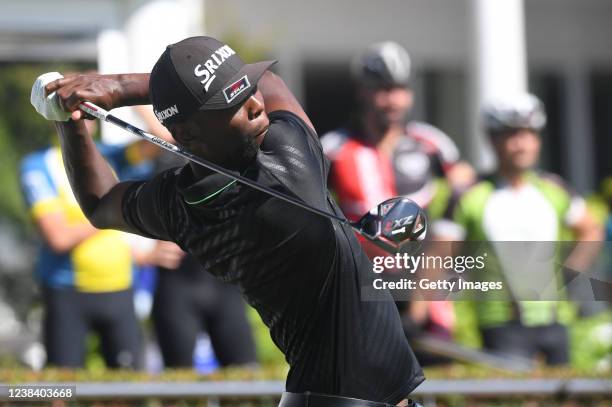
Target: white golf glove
{"points": [[48, 106]]}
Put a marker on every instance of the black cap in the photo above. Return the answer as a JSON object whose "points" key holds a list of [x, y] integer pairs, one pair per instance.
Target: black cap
{"points": [[200, 73]]}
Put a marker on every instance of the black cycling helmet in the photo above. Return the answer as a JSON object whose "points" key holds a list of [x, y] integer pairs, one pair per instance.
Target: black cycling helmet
{"points": [[512, 112], [382, 64]]}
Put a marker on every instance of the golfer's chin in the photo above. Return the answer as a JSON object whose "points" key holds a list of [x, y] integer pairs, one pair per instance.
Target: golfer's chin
{"points": [[243, 155], [247, 155], [259, 138]]}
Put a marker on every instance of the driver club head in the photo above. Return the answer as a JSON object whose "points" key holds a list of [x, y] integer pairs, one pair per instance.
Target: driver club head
{"points": [[393, 223]]}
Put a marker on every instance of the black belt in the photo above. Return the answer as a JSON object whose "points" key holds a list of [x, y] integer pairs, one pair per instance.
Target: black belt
{"points": [[323, 400]]}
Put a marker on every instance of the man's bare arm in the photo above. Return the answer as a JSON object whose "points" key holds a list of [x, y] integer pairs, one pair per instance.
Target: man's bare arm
{"points": [[94, 184], [63, 236], [589, 237], [277, 96]]}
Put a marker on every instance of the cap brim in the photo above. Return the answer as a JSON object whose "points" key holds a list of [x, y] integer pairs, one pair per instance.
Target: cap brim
{"points": [[252, 72]]}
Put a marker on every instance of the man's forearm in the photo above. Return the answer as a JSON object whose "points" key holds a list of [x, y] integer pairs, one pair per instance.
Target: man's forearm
{"points": [[63, 236], [88, 172], [134, 89]]}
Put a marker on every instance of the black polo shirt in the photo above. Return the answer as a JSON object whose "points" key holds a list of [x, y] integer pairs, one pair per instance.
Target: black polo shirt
{"points": [[300, 271]]}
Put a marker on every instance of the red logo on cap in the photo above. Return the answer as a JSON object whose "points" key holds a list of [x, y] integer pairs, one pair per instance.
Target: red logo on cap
{"points": [[236, 88]]}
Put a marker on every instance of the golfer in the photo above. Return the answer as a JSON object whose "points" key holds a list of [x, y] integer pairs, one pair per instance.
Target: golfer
{"points": [[302, 272]]}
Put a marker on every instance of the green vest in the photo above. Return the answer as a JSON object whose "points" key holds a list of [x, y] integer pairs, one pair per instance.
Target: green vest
{"points": [[469, 213]]}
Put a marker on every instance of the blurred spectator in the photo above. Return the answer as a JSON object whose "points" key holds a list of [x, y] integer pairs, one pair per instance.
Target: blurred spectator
{"points": [[517, 203], [85, 273], [188, 300], [380, 155]]}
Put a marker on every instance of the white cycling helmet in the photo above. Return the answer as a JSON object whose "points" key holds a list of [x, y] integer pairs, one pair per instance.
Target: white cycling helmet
{"points": [[520, 111], [382, 64]]}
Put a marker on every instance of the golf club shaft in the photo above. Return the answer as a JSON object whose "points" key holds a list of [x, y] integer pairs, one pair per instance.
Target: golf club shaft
{"points": [[103, 115]]}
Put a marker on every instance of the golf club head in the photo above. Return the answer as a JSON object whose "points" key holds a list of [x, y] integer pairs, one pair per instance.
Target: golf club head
{"points": [[393, 223]]}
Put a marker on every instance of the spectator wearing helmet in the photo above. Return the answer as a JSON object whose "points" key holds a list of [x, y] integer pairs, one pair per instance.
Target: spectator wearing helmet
{"points": [[381, 154], [518, 203]]}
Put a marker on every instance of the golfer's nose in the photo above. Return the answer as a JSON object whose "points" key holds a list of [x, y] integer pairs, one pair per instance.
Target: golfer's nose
{"points": [[256, 107]]}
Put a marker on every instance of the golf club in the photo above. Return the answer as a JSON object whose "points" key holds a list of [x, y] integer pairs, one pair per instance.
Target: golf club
{"points": [[390, 225]]}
